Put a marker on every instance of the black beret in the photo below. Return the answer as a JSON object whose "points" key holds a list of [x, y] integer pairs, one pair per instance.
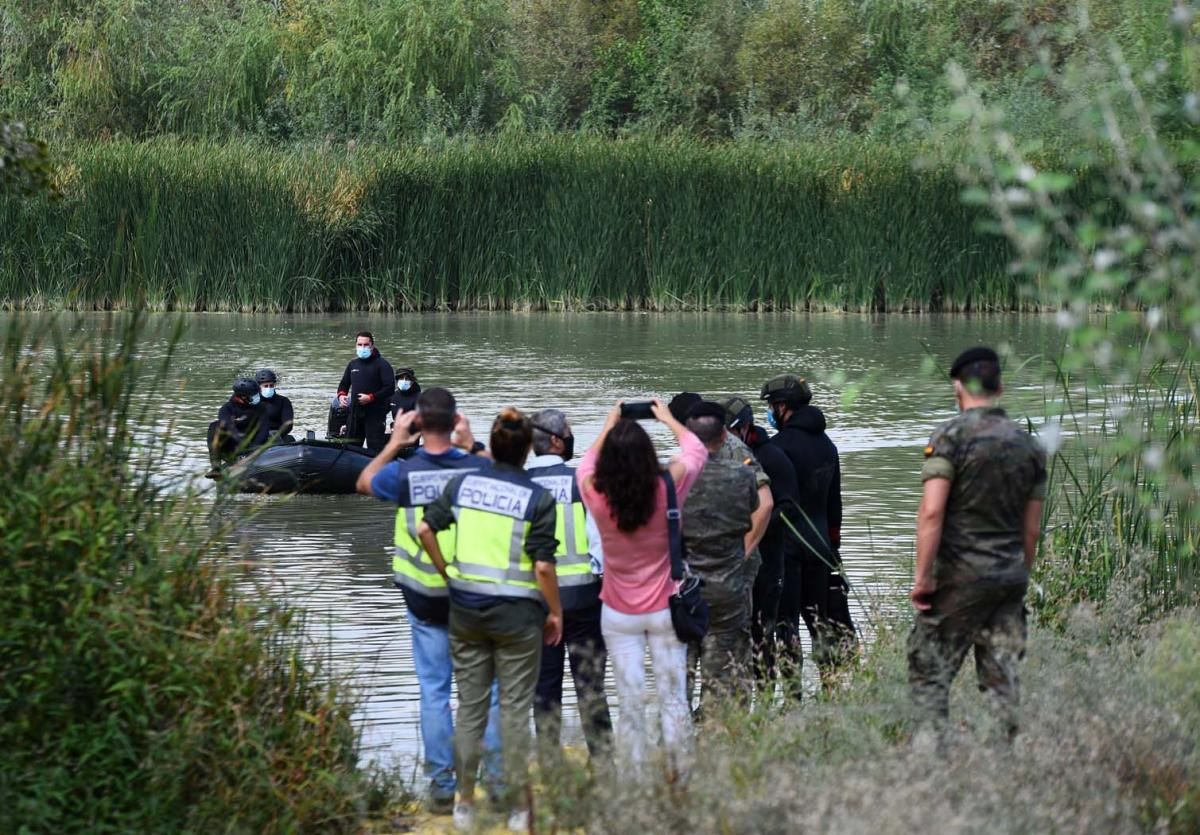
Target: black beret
{"points": [[707, 408], [682, 403], [979, 353]]}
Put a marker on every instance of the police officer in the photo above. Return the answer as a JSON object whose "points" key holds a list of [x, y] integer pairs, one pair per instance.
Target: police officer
{"points": [[411, 485], [719, 514], [276, 407], [404, 399], [767, 584], [503, 603], [366, 387], [977, 533], [579, 592], [240, 427], [811, 565]]}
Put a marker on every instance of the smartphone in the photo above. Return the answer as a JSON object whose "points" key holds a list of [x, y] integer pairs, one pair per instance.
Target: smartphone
{"points": [[638, 410]]}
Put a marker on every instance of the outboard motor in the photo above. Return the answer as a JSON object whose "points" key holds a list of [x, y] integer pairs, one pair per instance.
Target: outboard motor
{"points": [[339, 420]]}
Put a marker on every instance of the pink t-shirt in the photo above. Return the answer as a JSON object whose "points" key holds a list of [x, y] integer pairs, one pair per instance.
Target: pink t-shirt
{"points": [[637, 565]]}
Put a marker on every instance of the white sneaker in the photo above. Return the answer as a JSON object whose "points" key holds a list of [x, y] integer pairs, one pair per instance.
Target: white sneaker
{"points": [[518, 821], [464, 817]]}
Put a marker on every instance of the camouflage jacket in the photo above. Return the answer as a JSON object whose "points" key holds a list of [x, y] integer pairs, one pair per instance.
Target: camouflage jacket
{"points": [[716, 519], [995, 469]]}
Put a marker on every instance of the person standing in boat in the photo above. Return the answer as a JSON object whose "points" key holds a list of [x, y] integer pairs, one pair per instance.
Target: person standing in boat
{"points": [[241, 425], [407, 391], [276, 407], [411, 485], [366, 387]]}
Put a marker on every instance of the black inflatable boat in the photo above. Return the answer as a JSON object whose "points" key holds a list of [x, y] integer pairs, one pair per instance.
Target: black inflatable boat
{"points": [[305, 466]]}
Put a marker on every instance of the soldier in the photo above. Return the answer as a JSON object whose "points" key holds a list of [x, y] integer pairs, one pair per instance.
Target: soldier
{"points": [[977, 532], [718, 518]]}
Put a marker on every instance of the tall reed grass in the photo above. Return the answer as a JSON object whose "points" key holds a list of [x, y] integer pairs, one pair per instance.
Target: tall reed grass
{"points": [[547, 224]]}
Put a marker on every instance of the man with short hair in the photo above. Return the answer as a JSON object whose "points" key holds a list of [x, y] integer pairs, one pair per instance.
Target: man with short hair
{"points": [[812, 531], [717, 519], [977, 533], [410, 485], [578, 591], [367, 384]]}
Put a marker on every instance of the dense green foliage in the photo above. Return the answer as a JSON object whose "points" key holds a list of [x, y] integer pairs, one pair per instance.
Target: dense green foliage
{"points": [[551, 223], [25, 167], [139, 690], [416, 69]]}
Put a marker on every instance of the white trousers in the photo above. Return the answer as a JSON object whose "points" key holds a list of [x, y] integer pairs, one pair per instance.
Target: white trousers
{"points": [[626, 637]]}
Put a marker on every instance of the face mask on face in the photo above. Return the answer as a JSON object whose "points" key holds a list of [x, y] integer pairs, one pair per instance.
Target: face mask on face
{"points": [[774, 424], [363, 351], [404, 385], [268, 392], [255, 400]]}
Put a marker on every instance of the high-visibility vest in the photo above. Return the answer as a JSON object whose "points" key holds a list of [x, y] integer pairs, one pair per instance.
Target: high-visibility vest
{"points": [[492, 512], [427, 478], [574, 566]]}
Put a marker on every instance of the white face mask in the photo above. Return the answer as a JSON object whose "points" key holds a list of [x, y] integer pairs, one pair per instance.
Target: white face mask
{"points": [[404, 385], [268, 392], [255, 400]]}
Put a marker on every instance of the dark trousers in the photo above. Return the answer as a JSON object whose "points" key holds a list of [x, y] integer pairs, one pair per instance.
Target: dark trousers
{"points": [[815, 593], [367, 423], [768, 589], [583, 645]]}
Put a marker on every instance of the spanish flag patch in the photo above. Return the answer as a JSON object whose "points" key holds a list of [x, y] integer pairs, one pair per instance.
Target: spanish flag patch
{"points": [[928, 451]]}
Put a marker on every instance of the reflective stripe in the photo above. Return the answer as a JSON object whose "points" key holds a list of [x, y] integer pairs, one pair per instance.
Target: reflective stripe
{"points": [[493, 589], [411, 566]]}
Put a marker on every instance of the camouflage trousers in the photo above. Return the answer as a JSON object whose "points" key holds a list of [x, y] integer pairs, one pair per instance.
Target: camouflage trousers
{"points": [[723, 657], [988, 619]]}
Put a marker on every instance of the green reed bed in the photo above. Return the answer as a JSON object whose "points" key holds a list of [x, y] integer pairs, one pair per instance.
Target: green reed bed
{"points": [[555, 223]]}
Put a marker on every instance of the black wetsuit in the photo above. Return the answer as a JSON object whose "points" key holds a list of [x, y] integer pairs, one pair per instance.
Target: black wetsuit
{"points": [[375, 377], [280, 416], [768, 583], [238, 429], [810, 551], [404, 401]]}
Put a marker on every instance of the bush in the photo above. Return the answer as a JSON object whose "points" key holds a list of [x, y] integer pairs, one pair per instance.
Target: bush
{"points": [[140, 690]]}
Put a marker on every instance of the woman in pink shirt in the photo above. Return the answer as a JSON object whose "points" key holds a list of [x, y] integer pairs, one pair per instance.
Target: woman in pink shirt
{"points": [[619, 479]]}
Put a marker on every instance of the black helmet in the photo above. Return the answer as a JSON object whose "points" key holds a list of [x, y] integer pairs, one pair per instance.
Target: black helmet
{"points": [[787, 388], [245, 387], [265, 375], [738, 412]]}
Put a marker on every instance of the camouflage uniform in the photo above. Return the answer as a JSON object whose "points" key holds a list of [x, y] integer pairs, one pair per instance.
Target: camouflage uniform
{"points": [[995, 469], [715, 521], [736, 451]]}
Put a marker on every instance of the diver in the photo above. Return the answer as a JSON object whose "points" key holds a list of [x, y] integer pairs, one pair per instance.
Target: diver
{"points": [[241, 425], [407, 391], [367, 384], [276, 407]]}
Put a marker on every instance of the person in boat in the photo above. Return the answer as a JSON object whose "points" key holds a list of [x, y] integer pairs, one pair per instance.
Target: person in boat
{"points": [[504, 605], [579, 591], [366, 387], [241, 425], [276, 406], [410, 485], [339, 418], [407, 391]]}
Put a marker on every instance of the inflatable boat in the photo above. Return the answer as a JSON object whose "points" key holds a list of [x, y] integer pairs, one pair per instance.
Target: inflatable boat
{"points": [[304, 466]]}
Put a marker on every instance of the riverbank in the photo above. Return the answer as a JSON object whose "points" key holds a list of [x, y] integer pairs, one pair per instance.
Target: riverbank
{"points": [[552, 223]]}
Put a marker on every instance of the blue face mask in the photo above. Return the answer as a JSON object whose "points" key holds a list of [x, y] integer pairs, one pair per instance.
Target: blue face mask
{"points": [[268, 392], [771, 422], [404, 385], [255, 400], [363, 351]]}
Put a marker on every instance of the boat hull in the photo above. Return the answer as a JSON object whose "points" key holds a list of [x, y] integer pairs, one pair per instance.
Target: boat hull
{"points": [[306, 466]]}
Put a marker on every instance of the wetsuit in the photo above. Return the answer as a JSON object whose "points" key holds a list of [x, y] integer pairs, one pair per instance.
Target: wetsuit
{"points": [[811, 559], [279, 414], [404, 401], [239, 428], [374, 377]]}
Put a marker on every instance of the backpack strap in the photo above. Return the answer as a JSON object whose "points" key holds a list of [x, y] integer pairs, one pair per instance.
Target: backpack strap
{"points": [[674, 534]]}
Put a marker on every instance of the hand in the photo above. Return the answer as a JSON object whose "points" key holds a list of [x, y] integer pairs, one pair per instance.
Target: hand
{"points": [[661, 413], [552, 630], [922, 594], [613, 417], [461, 435], [402, 430], [364, 399], [343, 400]]}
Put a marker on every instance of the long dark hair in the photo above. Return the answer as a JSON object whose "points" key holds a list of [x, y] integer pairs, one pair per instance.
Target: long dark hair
{"points": [[627, 474]]}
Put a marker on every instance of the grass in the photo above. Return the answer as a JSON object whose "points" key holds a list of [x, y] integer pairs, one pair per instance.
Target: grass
{"points": [[551, 224]]}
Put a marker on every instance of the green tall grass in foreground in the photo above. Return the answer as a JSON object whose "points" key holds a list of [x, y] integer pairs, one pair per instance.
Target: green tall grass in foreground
{"points": [[139, 690], [549, 224]]}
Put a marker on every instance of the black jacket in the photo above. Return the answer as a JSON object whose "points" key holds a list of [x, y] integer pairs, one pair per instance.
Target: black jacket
{"points": [[370, 376], [278, 410], [405, 401], [240, 423], [814, 460]]}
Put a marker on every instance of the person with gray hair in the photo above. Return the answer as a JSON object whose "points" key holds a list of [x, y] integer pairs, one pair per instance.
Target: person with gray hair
{"points": [[579, 591]]}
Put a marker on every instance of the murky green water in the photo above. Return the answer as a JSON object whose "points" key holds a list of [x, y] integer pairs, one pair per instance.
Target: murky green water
{"points": [[330, 553]]}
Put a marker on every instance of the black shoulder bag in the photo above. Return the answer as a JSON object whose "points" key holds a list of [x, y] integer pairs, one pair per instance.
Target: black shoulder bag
{"points": [[689, 612]]}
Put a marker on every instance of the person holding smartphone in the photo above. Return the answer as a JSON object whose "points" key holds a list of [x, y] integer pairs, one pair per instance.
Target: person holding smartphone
{"points": [[621, 485]]}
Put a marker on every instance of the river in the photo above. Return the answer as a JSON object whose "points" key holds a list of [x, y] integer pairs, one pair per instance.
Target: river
{"points": [[870, 375]]}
